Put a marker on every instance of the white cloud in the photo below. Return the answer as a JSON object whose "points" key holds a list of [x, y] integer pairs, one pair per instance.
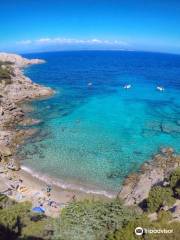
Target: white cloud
{"points": [[72, 41], [25, 42]]}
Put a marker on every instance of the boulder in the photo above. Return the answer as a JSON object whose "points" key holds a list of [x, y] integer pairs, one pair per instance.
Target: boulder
{"points": [[5, 151], [138, 191], [176, 211], [14, 165]]}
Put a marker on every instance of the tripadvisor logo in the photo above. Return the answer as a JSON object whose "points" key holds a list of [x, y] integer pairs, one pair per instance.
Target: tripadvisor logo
{"points": [[139, 231]]}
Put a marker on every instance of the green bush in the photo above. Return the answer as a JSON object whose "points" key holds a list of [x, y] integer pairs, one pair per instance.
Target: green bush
{"points": [[159, 196], [9, 217], [13, 219], [37, 230], [5, 201], [5, 74], [18, 222], [92, 220], [127, 232], [175, 182], [175, 177], [162, 222]]}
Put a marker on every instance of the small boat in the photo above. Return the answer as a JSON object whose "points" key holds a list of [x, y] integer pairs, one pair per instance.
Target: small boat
{"points": [[90, 84], [160, 88], [127, 86]]}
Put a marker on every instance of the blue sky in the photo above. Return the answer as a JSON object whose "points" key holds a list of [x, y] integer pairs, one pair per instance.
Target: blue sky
{"points": [[45, 25]]}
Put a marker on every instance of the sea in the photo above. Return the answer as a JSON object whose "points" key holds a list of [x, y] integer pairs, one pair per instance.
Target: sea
{"points": [[94, 131]]}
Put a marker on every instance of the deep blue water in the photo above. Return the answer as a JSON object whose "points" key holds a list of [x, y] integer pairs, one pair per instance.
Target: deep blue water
{"points": [[95, 134]]}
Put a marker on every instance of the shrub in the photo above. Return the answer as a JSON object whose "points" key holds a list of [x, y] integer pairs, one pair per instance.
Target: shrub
{"points": [[159, 196], [175, 177], [9, 216], [12, 219], [92, 219], [127, 232], [18, 222], [175, 182], [37, 230], [5, 201], [5, 74], [162, 222]]}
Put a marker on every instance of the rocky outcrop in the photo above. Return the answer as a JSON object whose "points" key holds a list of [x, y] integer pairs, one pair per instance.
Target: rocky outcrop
{"points": [[136, 187], [176, 211], [19, 89], [18, 60], [5, 151]]}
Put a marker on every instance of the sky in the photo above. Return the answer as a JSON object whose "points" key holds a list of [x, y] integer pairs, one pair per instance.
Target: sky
{"points": [[53, 25]]}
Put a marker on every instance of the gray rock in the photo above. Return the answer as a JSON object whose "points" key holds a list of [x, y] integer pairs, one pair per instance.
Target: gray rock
{"points": [[176, 211], [136, 189], [5, 151]]}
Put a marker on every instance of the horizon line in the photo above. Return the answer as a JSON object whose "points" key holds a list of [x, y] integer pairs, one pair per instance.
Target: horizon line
{"points": [[98, 50]]}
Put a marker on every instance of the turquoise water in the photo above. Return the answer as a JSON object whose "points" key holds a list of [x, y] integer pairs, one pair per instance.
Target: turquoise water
{"points": [[95, 134]]}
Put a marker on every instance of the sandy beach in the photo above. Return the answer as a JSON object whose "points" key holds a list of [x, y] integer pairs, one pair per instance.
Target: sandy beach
{"points": [[21, 186]]}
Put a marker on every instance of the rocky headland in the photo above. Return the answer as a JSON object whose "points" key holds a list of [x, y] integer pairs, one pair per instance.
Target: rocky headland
{"points": [[16, 88]]}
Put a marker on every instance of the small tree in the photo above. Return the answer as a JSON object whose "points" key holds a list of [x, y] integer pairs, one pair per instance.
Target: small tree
{"points": [[159, 196], [175, 182], [91, 220]]}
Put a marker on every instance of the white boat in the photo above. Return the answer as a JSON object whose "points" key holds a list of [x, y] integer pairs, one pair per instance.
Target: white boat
{"points": [[90, 84], [127, 86], [160, 88]]}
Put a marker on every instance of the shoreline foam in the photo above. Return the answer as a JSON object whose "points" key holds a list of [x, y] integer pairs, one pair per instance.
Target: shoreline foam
{"points": [[67, 186]]}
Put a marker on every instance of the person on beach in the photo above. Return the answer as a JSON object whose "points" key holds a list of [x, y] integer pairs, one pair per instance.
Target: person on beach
{"points": [[49, 188]]}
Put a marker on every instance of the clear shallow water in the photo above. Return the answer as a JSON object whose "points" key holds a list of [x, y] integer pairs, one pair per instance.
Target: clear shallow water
{"points": [[96, 135]]}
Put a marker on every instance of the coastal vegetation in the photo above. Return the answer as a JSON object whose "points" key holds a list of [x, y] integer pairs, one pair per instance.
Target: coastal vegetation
{"points": [[175, 182], [163, 222], [93, 219], [17, 221], [159, 196], [5, 73]]}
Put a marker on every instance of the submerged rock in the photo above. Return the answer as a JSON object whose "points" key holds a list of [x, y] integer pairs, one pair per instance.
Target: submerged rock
{"points": [[29, 122], [170, 127], [115, 174]]}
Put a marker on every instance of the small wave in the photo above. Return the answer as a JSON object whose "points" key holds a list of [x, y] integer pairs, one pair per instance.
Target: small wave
{"points": [[63, 185]]}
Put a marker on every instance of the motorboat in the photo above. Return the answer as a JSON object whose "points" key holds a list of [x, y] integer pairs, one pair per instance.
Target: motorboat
{"points": [[160, 88], [127, 86]]}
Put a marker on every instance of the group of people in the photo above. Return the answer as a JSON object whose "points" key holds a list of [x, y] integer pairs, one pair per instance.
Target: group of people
{"points": [[45, 200]]}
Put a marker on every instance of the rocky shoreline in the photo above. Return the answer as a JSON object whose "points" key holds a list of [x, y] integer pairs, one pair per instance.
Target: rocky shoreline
{"points": [[16, 90], [136, 186], [15, 182]]}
